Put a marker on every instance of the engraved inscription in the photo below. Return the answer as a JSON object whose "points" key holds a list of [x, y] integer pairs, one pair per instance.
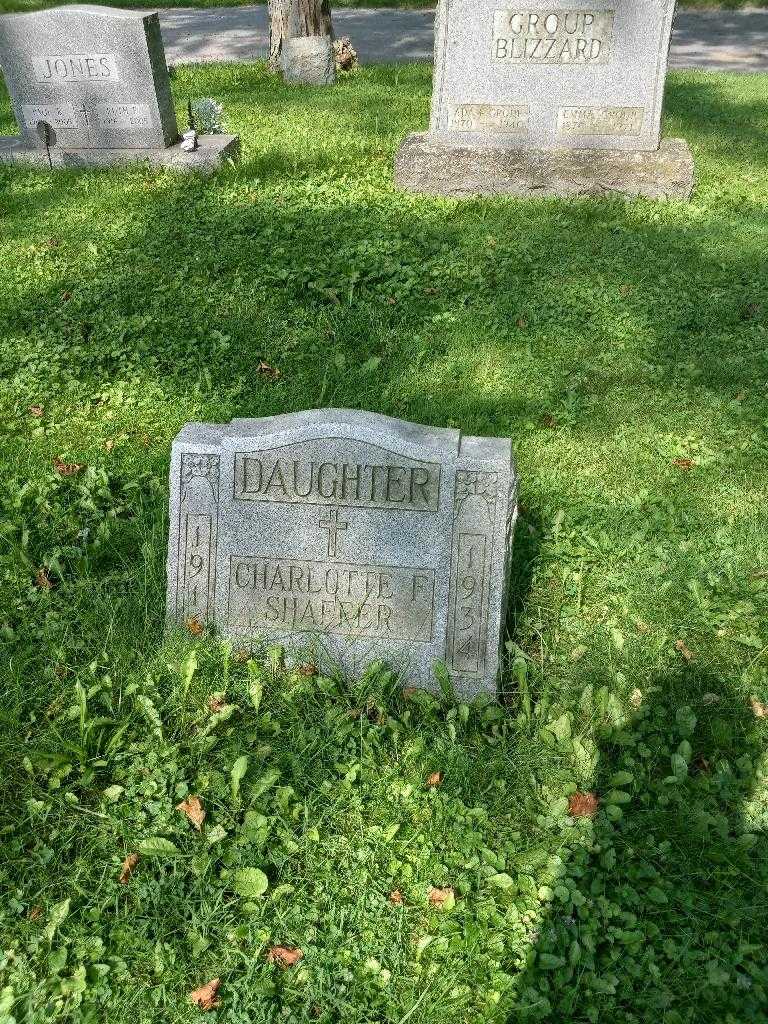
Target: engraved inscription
{"points": [[333, 524], [196, 581], [477, 117], [268, 476], [269, 594], [59, 116], [552, 37], [600, 120], [475, 505], [198, 528], [123, 115], [468, 627], [76, 67]]}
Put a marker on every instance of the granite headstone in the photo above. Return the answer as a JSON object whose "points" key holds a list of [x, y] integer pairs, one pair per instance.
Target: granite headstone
{"points": [[89, 85], [549, 100], [347, 537]]}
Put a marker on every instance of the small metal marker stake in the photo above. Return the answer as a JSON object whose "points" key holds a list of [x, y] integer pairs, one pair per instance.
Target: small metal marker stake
{"points": [[45, 133]]}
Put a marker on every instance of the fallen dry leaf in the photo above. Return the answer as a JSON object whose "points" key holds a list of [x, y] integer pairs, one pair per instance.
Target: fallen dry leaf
{"points": [[309, 668], [194, 626], [396, 897], [437, 897], [240, 657], [636, 698], [207, 996], [66, 296], [686, 653], [391, 301], [408, 692], [759, 709], [36, 410], [522, 323], [193, 809], [216, 702], [583, 805], [129, 865], [548, 420], [266, 370], [283, 956], [642, 627], [34, 913], [684, 464], [42, 580], [66, 468], [109, 444], [435, 779]]}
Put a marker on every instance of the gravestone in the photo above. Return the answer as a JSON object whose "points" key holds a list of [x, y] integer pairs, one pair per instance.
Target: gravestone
{"points": [[561, 100], [347, 537], [89, 86]]}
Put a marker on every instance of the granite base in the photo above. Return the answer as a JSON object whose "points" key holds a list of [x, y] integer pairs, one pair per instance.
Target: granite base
{"points": [[434, 165], [211, 152]]}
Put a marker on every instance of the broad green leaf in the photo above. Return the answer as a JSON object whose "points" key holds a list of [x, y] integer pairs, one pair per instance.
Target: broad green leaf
{"points": [[616, 796], [561, 727], [250, 883], [550, 962], [151, 714], [255, 684], [265, 782], [239, 768], [156, 846], [57, 917], [216, 834], [187, 670], [502, 880], [622, 779]]}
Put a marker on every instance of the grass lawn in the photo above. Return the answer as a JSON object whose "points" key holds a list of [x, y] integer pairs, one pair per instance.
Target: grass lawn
{"points": [[623, 348]]}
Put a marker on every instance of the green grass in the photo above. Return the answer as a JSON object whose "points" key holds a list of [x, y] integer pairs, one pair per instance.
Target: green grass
{"points": [[608, 340]]}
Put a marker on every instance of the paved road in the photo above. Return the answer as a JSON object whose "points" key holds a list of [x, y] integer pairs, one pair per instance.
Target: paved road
{"points": [[714, 40]]}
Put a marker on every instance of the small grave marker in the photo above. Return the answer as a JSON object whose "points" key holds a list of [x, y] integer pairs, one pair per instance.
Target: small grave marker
{"points": [[89, 86], [347, 536]]}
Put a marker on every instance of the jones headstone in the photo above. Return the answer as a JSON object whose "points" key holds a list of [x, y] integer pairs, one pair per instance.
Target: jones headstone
{"points": [[89, 85], [520, 91], [347, 537]]}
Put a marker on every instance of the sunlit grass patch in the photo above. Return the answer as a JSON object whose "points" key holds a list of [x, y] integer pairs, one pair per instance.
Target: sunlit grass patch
{"points": [[622, 347]]}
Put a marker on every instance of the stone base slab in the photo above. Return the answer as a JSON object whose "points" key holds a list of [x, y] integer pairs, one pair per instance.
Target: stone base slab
{"points": [[211, 152], [433, 165]]}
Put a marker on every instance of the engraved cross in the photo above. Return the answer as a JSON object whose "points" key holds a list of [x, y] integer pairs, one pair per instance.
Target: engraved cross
{"points": [[333, 524]]}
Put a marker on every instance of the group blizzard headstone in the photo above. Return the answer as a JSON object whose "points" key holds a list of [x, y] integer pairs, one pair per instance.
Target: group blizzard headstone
{"points": [[90, 86], [346, 537], [560, 100]]}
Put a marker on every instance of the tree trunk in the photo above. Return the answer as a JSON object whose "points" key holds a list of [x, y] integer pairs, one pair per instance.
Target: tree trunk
{"points": [[290, 19]]}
